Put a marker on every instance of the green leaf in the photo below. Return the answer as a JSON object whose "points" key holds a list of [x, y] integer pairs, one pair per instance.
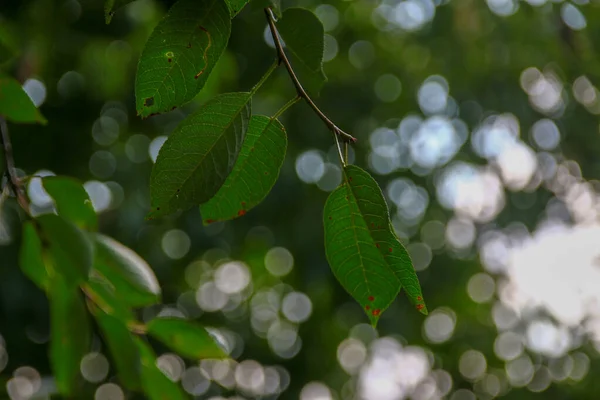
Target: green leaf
{"points": [[132, 278], [102, 293], [70, 250], [304, 38], [110, 6], [180, 54], [69, 334], [235, 6], [194, 162], [15, 104], [72, 201], [185, 337], [372, 205], [361, 249], [254, 172], [123, 349], [9, 47], [31, 257], [155, 384]]}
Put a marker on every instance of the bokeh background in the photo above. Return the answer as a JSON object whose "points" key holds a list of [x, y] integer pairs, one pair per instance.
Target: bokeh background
{"points": [[478, 118]]}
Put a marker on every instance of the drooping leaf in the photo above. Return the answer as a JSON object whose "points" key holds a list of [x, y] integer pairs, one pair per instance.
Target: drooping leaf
{"points": [[110, 6], [31, 258], [304, 38], [70, 250], [70, 334], [185, 337], [373, 207], [15, 104], [155, 383], [199, 155], [353, 255], [254, 172], [72, 201], [132, 278], [180, 54], [235, 6], [123, 349]]}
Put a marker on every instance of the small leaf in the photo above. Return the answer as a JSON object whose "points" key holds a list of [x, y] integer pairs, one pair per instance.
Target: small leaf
{"points": [[15, 104], [199, 155], [235, 6], [155, 383], [123, 349], [72, 201], [373, 207], [110, 6], [254, 172], [69, 334], [180, 54], [31, 257], [304, 38], [185, 337], [133, 280], [70, 249]]}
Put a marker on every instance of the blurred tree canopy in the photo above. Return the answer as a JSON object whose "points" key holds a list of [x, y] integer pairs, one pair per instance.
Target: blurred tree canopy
{"points": [[477, 118]]}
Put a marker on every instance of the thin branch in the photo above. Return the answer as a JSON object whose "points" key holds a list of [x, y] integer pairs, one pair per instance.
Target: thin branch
{"points": [[13, 180], [265, 77], [286, 106], [339, 149], [299, 89]]}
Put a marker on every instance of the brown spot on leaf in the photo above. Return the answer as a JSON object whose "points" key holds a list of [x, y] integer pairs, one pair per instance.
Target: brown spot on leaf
{"points": [[243, 204], [377, 244], [169, 59], [371, 298], [266, 173], [330, 218], [420, 306], [189, 46], [210, 221], [419, 298], [241, 213], [390, 249], [367, 308], [376, 312]]}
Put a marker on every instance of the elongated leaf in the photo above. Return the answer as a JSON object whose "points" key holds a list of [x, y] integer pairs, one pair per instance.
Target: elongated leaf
{"points": [[72, 201], [304, 38], [133, 280], [235, 6], [156, 385], [353, 255], [123, 349], [70, 249], [199, 155], [185, 337], [102, 293], [254, 173], [15, 104], [180, 54], [110, 6], [373, 208], [31, 257], [70, 334]]}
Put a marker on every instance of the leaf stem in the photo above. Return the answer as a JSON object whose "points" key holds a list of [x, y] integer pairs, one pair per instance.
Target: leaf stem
{"points": [[286, 106], [339, 148], [13, 180], [265, 77], [299, 89]]}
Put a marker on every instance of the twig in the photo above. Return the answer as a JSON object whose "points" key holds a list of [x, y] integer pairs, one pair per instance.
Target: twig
{"points": [[13, 179], [299, 89]]}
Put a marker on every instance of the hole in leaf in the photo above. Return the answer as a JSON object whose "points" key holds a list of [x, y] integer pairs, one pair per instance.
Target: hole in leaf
{"points": [[149, 102]]}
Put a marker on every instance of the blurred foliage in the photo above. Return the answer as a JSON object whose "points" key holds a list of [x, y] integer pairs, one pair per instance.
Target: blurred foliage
{"points": [[514, 82]]}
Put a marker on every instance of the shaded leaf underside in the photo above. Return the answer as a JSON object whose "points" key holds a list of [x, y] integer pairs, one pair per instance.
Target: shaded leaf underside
{"points": [[254, 174], [194, 162]]}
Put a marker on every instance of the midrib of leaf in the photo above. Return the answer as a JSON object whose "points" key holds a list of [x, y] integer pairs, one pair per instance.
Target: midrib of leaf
{"points": [[176, 62], [209, 151]]}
